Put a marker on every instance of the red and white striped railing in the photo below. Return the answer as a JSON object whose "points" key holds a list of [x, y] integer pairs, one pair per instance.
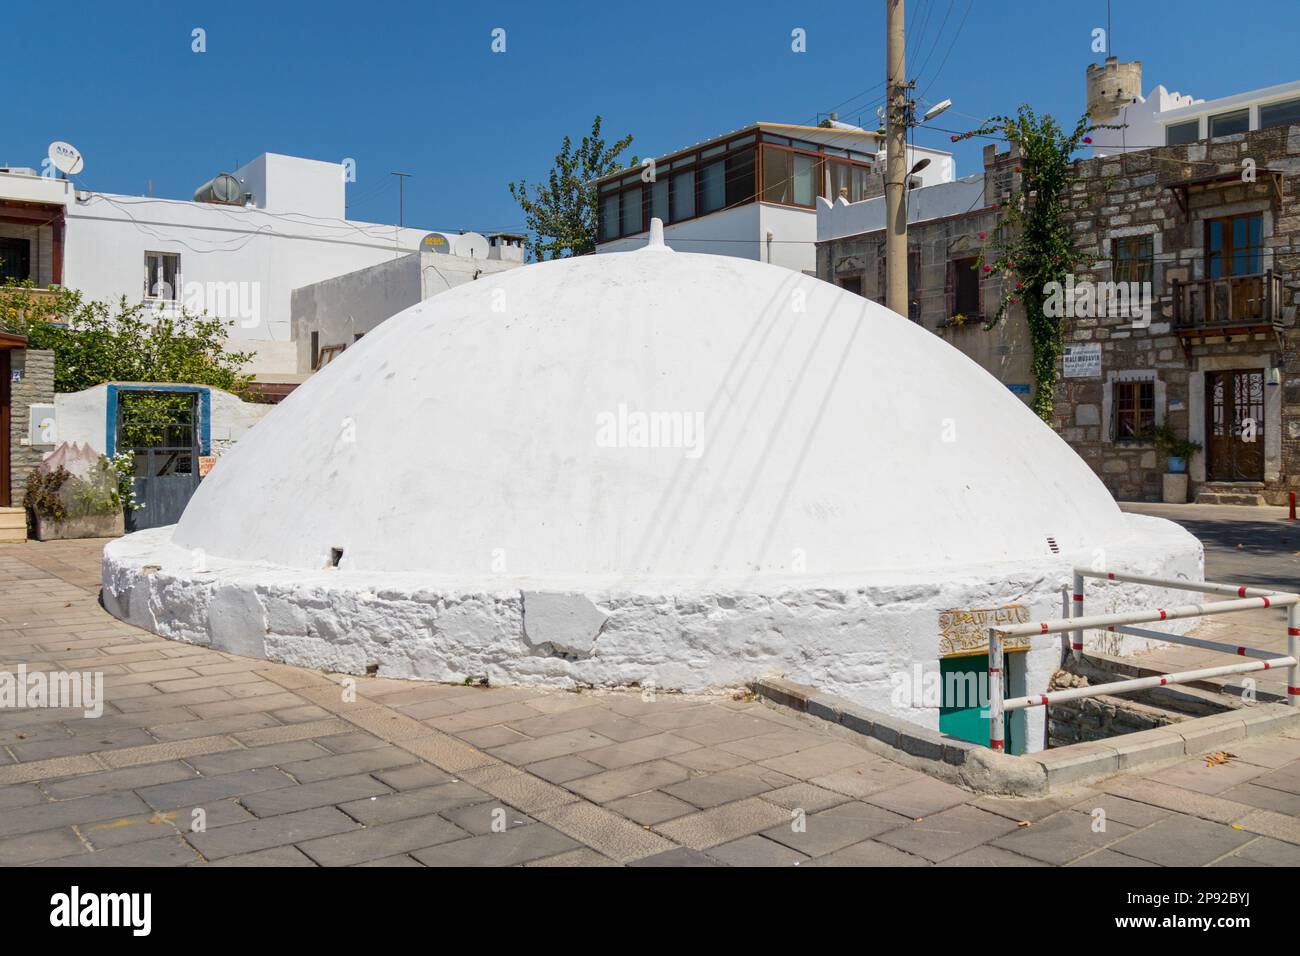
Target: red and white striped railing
{"points": [[1247, 598]]}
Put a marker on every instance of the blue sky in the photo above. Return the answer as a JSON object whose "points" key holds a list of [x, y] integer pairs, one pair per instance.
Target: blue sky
{"points": [[414, 86]]}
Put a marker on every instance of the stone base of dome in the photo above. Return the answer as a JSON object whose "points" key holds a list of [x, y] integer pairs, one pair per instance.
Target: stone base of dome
{"points": [[864, 637]]}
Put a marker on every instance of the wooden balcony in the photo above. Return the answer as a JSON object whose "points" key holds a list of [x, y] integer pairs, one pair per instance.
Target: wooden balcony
{"points": [[1249, 303]]}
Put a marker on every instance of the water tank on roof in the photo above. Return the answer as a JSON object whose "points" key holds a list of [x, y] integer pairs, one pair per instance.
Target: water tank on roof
{"points": [[224, 189]]}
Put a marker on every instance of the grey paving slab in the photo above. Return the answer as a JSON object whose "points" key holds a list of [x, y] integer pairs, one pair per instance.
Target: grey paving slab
{"points": [[723, 824], [511, 848], [60, 813], [562, 769], [20, 795], [1129, 812], [377, 842], [201, 790], [413, 777], [653, 747], [256, 757], [554, 745], [944, 835], [1180, 840], [406, 804], [868, 853], [756, 851], [613, 784], [714, 789], [323, 793], [804, 796], [709, 760], [1266, 798], [919, 798], [652, 807], [165, 851], [350, 743], [990, 856], [1270, 852], [130, 778], [1204, 777], [1109, 858], [1063, 837], [342, 765], [280, 830], [867, 777], [43, 845], [823, 832], [492, 816], [678, 857], [276, 856]]}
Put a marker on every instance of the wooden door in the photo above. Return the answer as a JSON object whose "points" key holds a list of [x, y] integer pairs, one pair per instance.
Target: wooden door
{"points": [[1234, 427]]}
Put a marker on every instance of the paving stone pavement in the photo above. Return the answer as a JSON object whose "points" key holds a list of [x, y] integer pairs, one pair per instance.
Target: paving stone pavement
{"points": [[202, 758]]}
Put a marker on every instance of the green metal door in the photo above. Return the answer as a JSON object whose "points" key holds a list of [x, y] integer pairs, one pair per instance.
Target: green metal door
{"points": [[964, 712]]}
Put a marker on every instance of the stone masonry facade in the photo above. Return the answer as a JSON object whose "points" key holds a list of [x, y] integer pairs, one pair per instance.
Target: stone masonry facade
{"points": [[1168, 194], [34, 386]]}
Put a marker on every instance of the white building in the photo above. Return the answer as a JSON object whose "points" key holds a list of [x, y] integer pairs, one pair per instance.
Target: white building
{"points": [[1163, 118], [237, 250], [753, 192]]}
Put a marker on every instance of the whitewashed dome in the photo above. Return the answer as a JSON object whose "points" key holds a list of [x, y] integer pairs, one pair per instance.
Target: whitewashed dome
{"points": [[493, 428]]}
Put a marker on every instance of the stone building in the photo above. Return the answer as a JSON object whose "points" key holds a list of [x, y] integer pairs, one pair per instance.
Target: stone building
{"points": [[1180, 314], [1211, 224]]}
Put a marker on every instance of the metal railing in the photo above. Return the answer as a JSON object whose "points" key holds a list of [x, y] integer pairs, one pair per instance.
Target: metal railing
{"points": [[1077, 622]]}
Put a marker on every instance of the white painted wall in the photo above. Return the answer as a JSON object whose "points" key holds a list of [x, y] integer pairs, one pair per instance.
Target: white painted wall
{"points": [[83, 417], [840, 219]]}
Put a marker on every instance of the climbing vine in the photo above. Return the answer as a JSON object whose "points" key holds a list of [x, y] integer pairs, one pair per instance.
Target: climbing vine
{"points": [[1032, 244]]}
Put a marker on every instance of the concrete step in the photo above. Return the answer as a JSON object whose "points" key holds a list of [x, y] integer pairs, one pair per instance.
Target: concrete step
{"points": [[1248, 499], [13, 525]]}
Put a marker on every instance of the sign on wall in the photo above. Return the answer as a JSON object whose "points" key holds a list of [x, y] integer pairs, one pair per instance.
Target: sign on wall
{"points": [[966, 630], [1083, 361]]}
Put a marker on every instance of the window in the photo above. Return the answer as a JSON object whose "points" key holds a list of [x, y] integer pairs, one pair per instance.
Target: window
{"points": [[161, 274], [1233, 245], [789, 178], [713, 187], [15, 259], [1225, 124], [1176, 134], [966, 287], [1132, 258], [1135, 410], [632, 211], [848, 180], [609, 217], [659, 200], [740, 177], [683, 196], [1279, 114], [851, 283]]}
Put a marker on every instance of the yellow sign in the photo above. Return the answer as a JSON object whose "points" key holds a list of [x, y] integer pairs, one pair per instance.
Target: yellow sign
{"points": [[966, 631]]}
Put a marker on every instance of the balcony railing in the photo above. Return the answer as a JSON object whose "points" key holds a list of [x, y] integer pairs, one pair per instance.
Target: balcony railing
{"points": [[1229, 302]]}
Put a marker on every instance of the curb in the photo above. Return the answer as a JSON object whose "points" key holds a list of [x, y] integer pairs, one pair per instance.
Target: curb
{"points": [[978, 768]]}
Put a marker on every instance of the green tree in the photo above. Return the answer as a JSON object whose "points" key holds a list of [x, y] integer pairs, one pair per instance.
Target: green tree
{"points": [[561, 215], [94, 343], [1033, 244]]}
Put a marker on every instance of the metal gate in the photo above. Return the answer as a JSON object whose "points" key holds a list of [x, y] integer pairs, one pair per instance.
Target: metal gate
{"points": [[160, 429]]}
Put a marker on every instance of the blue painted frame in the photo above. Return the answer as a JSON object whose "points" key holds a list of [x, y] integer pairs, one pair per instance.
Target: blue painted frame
{"points": [[205, 412]]}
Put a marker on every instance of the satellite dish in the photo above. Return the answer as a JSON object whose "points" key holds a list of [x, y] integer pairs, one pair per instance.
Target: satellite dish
{"points": [[65, 158]]}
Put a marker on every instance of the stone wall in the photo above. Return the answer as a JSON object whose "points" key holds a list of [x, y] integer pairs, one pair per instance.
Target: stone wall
{"points": [[1097, 718], [35, 386], [1139, 193]]}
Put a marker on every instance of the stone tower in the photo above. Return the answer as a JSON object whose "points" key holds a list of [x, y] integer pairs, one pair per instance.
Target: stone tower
{"points": [[1112, 86]]}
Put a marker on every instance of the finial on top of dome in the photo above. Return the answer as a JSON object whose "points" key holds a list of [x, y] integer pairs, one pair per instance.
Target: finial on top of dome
{"points": [[656, 241]]}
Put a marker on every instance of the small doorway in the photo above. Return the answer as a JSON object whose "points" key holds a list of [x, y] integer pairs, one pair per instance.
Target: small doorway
{"points": [[964, 712], [1234, 426], [160, 430]]}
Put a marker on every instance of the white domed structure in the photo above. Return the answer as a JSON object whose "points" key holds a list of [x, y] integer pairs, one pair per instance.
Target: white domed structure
{"points": [[643, 467]]}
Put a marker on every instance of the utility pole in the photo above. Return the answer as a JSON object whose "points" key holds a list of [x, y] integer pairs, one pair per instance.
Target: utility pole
{"points": [[401, 197], [898, 109]]}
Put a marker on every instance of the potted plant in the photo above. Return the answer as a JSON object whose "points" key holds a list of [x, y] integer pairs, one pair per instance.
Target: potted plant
{"points": [[67, 505], [1178, 451]]}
